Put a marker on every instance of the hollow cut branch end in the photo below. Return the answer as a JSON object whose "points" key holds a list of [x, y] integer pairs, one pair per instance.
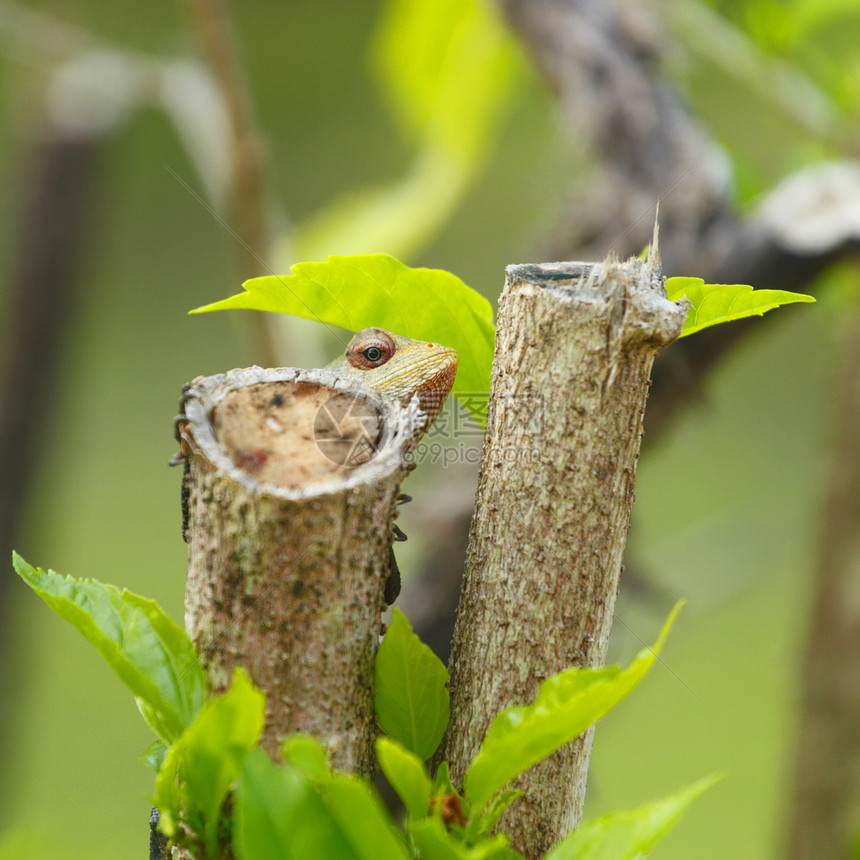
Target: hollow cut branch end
{"points": [[291, 488]]}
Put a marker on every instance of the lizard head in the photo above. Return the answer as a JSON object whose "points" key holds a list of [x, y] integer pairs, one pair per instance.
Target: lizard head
{"points": [[399, 367]]}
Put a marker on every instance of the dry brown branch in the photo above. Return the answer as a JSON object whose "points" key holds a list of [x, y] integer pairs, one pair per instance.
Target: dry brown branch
{"points": [[574, 349]]}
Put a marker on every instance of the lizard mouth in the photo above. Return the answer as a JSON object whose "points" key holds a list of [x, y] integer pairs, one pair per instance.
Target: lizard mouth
{"points": [[434, 392]]}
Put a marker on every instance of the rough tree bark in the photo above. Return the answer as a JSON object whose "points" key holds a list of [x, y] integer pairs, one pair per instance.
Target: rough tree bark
{"points": [[574, 349], [292, 481]]}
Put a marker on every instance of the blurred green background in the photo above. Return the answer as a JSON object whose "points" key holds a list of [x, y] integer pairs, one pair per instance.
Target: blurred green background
{"points": [[728, 503]]}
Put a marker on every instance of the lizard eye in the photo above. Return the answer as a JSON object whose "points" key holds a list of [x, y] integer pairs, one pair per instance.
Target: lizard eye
{"points": [[370, 348]]}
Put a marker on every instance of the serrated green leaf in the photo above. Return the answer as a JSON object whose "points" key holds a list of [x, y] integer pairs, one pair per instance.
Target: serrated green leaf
{"points": [[281, 813], [150, 654], [411, 699], [407, 775], [205, 761], [630, 834], [365, 290], [566, 705], [719, 303]]}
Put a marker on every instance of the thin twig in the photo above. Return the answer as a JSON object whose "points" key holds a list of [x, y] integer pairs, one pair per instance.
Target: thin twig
{"points": [[246, 192]]}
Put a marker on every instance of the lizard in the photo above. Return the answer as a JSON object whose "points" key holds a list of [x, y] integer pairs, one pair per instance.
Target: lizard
{"points": [[399, 368]]}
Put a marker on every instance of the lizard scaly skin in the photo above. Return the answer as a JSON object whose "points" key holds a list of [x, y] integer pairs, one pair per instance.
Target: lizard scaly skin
{"points": [[399, 368]]}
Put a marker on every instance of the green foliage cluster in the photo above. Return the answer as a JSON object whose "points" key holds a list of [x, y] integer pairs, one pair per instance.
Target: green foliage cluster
{"points": [[367, 290], [218, 792], [363, 290]]}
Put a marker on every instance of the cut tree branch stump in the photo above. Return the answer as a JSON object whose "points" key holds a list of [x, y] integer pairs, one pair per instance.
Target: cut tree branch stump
{"points": [[574, 347], [292, 477]]}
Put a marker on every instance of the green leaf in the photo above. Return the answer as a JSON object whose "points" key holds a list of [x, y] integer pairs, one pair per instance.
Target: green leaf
{"points": [[719, 303], [435, 842], [281, 813], [306, 754], [495, 809], [406, 773], [411, 699], [278, 814], [357, 811], [630, 834], [150, 654], [154, 754], [201, 766], [566, 705], [442, 783], [367, 290]]}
